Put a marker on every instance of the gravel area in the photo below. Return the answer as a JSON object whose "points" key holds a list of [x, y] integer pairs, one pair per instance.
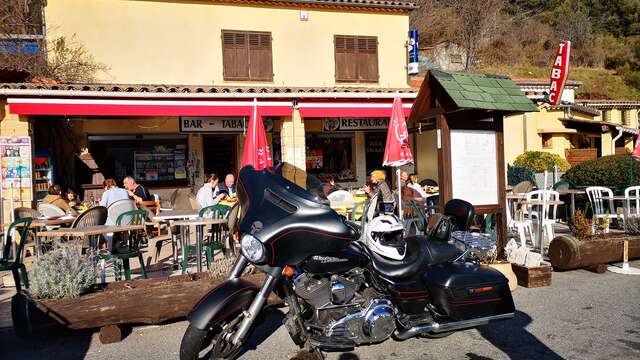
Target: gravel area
{"points": [[581, 316]]}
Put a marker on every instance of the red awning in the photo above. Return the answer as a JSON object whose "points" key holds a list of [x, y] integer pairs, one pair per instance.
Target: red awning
{"points": [[30, 106], [349, 109]]}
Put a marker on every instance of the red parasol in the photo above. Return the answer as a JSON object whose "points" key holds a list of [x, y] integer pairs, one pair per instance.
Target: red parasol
{"points": [[397, 152], [256, 148], [636, 150]]}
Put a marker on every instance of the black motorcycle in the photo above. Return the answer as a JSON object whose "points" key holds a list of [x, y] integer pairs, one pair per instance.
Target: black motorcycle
{"points": [[339, 293]]}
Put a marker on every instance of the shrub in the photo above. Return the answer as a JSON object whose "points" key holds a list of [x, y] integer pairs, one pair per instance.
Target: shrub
{"points": [[580, 226], [518, 174], [62, 273], [539, 161], [619, 171]]}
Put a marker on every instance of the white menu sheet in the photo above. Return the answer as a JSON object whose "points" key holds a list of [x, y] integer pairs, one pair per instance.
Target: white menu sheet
{"points": [[474, 175]]}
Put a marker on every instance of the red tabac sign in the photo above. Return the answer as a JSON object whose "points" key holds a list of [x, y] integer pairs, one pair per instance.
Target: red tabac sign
{"points": [[559, 72]]}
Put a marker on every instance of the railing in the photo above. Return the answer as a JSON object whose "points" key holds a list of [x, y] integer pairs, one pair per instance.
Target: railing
{"points": [[577, 156]]}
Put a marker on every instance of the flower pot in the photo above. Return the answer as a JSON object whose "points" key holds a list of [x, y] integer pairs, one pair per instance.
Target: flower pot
{"points": [[505, 268]]}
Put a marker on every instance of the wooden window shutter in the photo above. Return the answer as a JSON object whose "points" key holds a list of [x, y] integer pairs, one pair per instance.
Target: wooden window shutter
{"points": [[260, 56], [346, 59], [367, 59], [235, 55]]}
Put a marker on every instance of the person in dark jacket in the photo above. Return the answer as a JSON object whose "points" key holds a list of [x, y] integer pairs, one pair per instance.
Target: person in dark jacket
{"points": [[136, 191]]}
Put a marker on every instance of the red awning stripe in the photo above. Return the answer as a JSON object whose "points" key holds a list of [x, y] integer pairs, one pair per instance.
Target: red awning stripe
{"points": [[349, 109], [25, 106]]}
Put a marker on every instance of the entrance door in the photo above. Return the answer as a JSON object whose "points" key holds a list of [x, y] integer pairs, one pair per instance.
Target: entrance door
{"points": [[219, 154]]}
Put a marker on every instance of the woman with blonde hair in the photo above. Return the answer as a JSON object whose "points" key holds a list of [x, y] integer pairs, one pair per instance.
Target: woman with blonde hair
{"points": [[381, 188]]}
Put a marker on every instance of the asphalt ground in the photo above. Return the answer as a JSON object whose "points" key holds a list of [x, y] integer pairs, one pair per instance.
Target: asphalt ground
{"points": [[582, 315]]}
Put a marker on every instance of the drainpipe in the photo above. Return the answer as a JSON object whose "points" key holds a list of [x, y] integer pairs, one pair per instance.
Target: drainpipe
{"points": [[613, 141]]}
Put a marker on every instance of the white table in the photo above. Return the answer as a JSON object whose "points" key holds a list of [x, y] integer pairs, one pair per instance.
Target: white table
{"points": [[169, 217]]}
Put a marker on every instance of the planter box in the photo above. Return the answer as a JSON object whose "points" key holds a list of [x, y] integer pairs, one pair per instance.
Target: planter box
{"points": [[567, 252], [141, 301], [533, 277]]}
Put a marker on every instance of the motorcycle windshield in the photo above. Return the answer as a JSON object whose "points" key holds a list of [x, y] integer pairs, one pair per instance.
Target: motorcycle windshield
{"points": [[269, 195]]}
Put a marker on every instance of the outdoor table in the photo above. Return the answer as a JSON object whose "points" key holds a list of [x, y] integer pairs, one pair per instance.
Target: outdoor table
{"points": [[168, 217], [88, 231], [199, 223], [541, 217], [625, 211], [522, 196], [40, 222], [573, 193]]}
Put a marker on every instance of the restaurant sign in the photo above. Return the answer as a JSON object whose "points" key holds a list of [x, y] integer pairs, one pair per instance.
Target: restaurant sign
{"points": [[355, 124], [208, 124]]}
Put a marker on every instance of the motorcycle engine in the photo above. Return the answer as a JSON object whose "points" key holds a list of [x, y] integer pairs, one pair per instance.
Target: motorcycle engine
{"points": [[344, 308]]}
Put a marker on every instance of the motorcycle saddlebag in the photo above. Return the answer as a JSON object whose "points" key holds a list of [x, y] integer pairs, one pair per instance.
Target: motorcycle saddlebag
{"points": [[463, 291]]}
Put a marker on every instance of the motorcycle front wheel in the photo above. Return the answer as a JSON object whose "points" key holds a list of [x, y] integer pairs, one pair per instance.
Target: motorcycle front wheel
{"points": [[214, 342]]}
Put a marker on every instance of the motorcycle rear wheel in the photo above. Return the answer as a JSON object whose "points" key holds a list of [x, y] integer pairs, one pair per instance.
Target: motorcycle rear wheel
{"points": [[211, 343]]}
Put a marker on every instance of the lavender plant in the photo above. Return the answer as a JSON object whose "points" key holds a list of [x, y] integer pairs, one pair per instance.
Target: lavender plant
{"points": [[63, 272]]}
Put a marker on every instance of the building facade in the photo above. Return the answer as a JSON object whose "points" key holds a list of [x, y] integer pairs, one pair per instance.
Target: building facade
{"points": [[322, 74]]}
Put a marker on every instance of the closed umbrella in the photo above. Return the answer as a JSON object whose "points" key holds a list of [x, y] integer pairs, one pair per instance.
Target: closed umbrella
{"points": [[397, 151], [256, 149]]}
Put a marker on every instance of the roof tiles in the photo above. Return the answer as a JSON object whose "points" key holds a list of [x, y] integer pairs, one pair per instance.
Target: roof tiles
{"points": [[481, 91]]}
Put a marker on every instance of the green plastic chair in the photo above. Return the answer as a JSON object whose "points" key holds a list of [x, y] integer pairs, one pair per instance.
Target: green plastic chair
{"points": [[133, 217], [16, 266], [214, 242], [355, 209]]}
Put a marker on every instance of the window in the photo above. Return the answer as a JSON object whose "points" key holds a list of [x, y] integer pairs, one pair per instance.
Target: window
{"points": [[456, 58], [356, 58], [547, 141], [246, 56], [330, 154]]}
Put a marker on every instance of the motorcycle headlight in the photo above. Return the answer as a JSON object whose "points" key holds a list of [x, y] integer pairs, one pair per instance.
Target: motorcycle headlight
{"points": [[252, 248]]}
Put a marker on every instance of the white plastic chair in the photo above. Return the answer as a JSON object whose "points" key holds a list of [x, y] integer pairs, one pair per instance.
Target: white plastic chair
{"points": [[549, 212], [516, 221], [50, 210], [632, 201], [341, 199], [596, 194]]}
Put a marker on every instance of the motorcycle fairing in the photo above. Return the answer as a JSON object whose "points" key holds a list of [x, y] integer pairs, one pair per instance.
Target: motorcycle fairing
{"points": [[291, 222]]}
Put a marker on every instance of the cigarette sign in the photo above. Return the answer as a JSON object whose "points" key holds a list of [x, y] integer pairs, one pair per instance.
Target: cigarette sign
{"points": [[559, 72]]}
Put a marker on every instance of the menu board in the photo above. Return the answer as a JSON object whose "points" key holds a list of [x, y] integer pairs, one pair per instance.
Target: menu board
{"points": [[15, 168], [474, 171], [164, 164]]}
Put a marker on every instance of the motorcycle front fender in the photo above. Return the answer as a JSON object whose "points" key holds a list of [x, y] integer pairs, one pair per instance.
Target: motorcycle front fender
{"points": [[224, 300]]}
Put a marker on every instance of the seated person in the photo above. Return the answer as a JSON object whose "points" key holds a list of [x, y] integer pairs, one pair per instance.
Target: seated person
{"points": [[54, 197], [72, 198], [414, 184], [329, 185], [209, 194], [136, 191], [112, 193], [380, 187], [229, 185]]}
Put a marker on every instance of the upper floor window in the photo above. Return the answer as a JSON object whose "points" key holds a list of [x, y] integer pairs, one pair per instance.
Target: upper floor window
{"points": [[246, 56], [356, 58]]}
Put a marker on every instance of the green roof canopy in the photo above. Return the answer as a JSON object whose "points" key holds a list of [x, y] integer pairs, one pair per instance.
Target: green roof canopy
{"points": [[482, 91]]}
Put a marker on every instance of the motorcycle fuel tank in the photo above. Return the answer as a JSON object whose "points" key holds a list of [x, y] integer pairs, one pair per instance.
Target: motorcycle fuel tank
{"points": [[335, 262]]}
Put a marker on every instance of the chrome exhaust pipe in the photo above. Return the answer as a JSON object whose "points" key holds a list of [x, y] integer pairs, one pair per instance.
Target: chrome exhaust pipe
{"points": [[449, 326]]}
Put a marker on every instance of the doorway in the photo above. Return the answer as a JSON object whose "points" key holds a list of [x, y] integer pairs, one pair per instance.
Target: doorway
{"points": [[219, 153]]}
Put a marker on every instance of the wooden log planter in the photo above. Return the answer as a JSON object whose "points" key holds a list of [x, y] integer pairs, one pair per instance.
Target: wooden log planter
{"points": [[141, 301], [567, 252]]}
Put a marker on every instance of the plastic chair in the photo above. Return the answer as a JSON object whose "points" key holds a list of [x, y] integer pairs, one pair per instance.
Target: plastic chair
{"points": [[16, 266], [549, 212], [217, 233], [117, 208], [131, 250], [50, 210], [341, 199], [596, 194], [97, 215], [632, 201]]}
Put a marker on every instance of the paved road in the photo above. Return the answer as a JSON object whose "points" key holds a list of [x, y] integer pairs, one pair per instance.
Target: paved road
{"points": [[581, 316]]}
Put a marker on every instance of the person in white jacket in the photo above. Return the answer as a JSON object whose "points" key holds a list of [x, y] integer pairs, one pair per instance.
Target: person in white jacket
{"points": [[209, 193]]}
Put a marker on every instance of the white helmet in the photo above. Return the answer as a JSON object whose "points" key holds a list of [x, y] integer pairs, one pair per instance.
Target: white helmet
{"points": [[384, 235]]}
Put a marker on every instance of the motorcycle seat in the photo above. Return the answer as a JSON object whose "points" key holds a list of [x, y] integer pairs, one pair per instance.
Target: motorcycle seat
{"points": [[420, 253]]}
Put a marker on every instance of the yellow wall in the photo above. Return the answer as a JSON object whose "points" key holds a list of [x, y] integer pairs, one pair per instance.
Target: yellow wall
{"points": [[178, 42], [427, 155]]}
